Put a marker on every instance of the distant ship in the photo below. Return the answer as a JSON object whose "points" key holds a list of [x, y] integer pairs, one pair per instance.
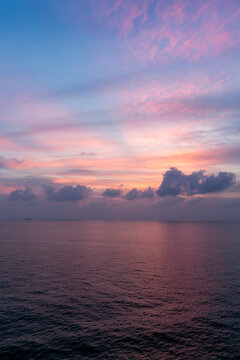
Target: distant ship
{"points": [[27, 219]]}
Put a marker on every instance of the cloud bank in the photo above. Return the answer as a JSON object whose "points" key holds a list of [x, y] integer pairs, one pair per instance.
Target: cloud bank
{"points": [[174, 200]]}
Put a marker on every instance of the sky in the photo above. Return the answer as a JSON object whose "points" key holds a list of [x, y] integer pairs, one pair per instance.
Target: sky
{"points": [[120, 109]]}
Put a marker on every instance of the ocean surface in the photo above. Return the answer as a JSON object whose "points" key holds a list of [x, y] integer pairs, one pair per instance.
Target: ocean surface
{"points": [[119, 290]]}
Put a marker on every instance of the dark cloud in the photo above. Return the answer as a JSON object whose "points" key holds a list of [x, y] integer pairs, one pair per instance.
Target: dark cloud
{"points": [[25, 195], [175, 183], [67, 193], [212, 183], [132, 194], [148, 193], [112, 193], [138, 194]]}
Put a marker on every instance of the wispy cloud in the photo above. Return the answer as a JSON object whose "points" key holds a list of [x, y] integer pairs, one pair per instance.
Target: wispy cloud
{"points": [[10, 163], [159, 30]]}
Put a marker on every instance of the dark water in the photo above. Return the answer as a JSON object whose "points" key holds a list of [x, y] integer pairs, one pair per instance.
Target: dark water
{"points": [[119, 290]]}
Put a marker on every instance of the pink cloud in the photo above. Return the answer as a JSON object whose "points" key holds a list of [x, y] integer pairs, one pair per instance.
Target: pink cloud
{"points": [[121, 14], [10, 163], [181, 99], [183, 29], [161, 30]]}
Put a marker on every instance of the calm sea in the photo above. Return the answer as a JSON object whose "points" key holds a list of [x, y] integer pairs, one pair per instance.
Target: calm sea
{"points": [[119, 290]]}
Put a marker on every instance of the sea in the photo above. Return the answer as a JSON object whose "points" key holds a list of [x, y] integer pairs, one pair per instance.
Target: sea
{"points": [[119, 290]]}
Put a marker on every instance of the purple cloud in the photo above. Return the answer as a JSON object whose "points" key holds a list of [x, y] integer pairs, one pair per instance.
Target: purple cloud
{"points": [[175, 183], [132, 194], [25, 195], [112, 193], [148, 193], [67, 193], [137, 194]]}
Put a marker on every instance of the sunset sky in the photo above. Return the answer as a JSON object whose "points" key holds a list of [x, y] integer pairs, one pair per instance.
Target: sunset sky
{"points": [[120, 109]]}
